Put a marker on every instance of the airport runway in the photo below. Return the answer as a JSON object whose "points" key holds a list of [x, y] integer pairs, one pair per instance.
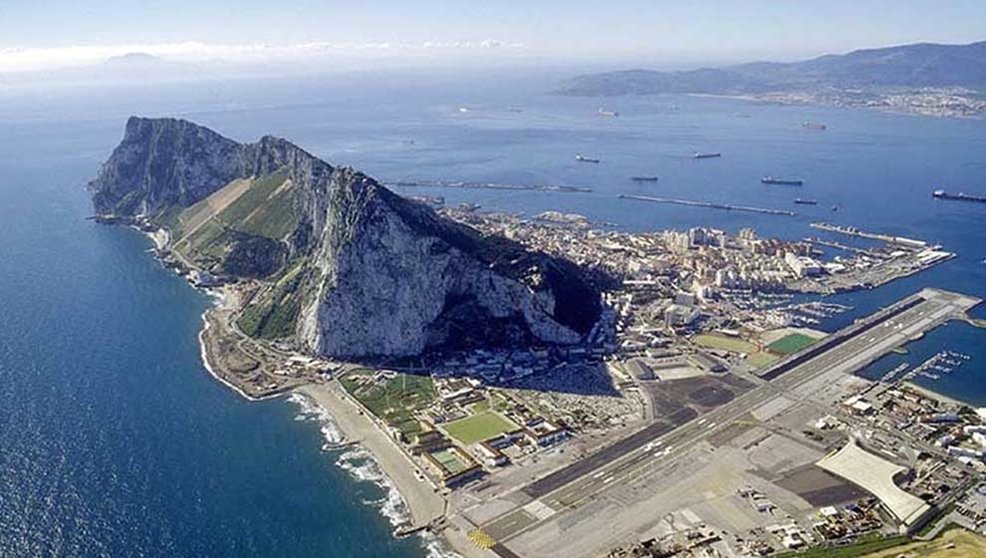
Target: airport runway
{"points": [[843, 352]]}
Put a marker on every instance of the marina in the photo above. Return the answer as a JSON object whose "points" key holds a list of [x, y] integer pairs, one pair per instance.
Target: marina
{"points": [[941, 363]]}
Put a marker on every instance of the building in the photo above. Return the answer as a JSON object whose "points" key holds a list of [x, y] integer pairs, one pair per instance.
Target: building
{"points": [[876, 475], [803, 266], [492, 456]]}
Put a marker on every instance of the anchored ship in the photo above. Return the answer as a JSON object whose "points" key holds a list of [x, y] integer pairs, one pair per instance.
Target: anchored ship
{"points": [[943, 195], [644, 178], [698, 155], [583, 159], [784, 181]]}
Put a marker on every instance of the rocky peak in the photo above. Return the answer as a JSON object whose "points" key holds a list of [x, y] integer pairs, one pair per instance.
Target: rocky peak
{"points": [[385, 275], [163, 162]]}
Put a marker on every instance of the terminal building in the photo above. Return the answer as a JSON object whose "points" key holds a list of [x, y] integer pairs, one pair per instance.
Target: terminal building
{"points": [[876, 475]]}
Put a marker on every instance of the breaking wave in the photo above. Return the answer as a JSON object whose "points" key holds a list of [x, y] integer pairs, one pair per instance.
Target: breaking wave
{"points": [[360, 465]]}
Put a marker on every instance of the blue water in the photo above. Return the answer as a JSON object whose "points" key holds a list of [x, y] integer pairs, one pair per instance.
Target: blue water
{"points": [[113, 439]]}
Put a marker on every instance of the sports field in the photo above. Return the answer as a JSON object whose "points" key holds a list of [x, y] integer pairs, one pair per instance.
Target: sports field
{"points": [[448, 460], [732, 344], [479, 427], [790, 343], [759, 360]]}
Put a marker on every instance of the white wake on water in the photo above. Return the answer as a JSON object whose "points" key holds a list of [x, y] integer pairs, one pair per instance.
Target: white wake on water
{"points": [[360, 465]]}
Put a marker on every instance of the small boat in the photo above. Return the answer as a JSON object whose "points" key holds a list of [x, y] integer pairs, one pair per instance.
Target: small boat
{"points": [[583, 159], [644, 178], [813, 125], [835, 208]]}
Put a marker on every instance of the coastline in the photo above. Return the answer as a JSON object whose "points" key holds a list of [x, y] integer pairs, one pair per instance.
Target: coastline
{"points": [[413, 504], [791, 102], [928, 392], [424, 503]]}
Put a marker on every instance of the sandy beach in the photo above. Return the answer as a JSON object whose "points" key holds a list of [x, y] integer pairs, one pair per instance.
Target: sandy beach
{"points": [[928, 392], [424, 503]]}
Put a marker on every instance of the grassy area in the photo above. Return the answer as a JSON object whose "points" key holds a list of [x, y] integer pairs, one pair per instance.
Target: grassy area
{"points": [[254, 199], [275, 219], [263, 209], [479, 427], [791, 343], [759, 360], [866, 545], [954, 542], [275, 315], [721, 342], [394, 400]]}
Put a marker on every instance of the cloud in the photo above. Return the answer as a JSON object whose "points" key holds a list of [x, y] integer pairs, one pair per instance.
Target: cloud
{"points": [[27, 59]]}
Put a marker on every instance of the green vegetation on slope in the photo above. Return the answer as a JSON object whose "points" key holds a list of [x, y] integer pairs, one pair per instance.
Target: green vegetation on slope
{"points": [[265, 208], [273, 315]]}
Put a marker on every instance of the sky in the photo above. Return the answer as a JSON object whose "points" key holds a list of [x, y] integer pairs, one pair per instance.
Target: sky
{"points": [[37, 34]]}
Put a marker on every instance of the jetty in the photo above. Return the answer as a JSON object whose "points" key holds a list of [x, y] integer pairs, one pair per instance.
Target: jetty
{"points": [[711, 205], [486, 186]]}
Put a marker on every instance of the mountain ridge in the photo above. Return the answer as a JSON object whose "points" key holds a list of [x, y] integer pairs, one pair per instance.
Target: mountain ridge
{"points": [[911, 65], [402, 278]]}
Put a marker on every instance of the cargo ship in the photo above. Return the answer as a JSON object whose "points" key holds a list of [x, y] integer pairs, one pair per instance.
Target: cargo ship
{"points": [[644, 178], [801, 201], [943, 195], [782, 181], [706, 155], [583, 159]]}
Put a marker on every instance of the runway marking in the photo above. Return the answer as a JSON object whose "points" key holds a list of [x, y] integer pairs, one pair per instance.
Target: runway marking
{"points": [[539, 509], [481, 539]]}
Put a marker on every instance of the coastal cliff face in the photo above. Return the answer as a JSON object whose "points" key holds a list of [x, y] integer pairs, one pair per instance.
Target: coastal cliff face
{"points": [[161, 163], [370, 273]]}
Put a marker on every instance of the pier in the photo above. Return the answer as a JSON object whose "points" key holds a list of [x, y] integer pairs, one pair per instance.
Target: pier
{"points": [[711, 205], [486, 186], [853, 231]]}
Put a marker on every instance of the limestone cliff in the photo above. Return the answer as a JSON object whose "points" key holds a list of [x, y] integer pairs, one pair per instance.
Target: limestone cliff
{"points": [[379, 274]]}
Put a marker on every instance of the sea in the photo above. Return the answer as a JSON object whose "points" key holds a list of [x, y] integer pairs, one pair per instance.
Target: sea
{"points": [[115, 441]]}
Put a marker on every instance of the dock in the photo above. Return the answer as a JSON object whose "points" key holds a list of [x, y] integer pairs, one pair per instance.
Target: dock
{"points": [[486, 186], [853, 231], [710, 205]]}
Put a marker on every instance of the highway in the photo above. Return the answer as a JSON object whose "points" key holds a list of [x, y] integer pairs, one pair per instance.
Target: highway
{"points": [[854, 347]]}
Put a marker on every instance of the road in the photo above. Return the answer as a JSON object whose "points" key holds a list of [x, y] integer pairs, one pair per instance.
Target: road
{"points": [[843, 353]]}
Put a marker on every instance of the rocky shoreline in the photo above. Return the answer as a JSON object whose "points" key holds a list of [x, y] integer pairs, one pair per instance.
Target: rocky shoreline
{"points": [[425, 504]]}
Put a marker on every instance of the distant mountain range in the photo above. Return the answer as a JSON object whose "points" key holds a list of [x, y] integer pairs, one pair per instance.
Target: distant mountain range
{"points": [[922, 65]]}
